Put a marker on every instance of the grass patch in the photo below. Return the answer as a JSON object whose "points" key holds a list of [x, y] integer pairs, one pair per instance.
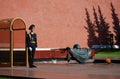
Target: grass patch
{"points": [[108, 54]]}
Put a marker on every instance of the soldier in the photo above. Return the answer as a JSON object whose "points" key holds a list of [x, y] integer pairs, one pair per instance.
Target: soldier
{"points": [[31, 41]]}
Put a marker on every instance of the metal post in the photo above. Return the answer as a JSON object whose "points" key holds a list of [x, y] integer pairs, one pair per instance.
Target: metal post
{"points": [[26, 50], [11, 47]]}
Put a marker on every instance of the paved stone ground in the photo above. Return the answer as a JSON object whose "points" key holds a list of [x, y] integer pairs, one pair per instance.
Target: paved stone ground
{"points": [[66, 71]]}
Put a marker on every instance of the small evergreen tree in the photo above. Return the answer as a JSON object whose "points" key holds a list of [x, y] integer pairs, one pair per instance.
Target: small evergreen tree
{"points": [[97, 27], [103, 30], [90, 29], [116, 25]]}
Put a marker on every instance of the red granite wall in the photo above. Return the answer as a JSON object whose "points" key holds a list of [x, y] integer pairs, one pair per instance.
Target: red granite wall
{"points": [[59, 23]]}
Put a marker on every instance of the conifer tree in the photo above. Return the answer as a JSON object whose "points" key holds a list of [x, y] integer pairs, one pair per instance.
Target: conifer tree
{"points": [[103, 30], [90, 29], [96, 23], [116, 25]]}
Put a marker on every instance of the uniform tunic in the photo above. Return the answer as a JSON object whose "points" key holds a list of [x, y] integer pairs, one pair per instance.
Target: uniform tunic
{"points": [[31, 41]]}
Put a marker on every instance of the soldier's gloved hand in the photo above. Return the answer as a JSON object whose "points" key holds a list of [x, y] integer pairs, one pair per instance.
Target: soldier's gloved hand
{"points": [[30, 48], [67, 48]]}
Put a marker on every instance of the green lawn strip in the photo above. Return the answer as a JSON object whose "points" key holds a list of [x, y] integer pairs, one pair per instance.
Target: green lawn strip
{"points": [[115, 54]]}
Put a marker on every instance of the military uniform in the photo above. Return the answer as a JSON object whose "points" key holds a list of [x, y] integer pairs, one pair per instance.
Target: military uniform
{"points": [[31, 41]]}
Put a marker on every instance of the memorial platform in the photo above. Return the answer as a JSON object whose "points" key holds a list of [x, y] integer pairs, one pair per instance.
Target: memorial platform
{"points": [[64, 71]]}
